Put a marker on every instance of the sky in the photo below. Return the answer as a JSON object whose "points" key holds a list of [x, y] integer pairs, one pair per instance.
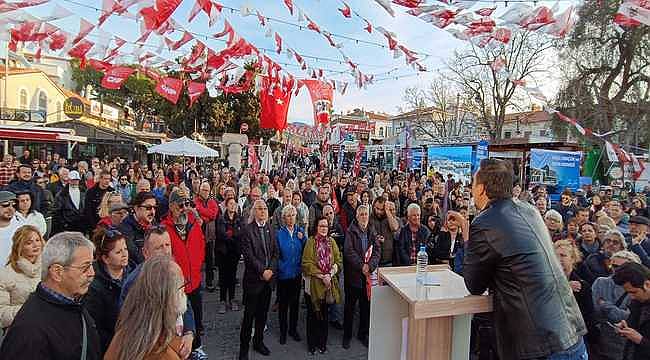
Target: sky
{"points": [[385, 95]]}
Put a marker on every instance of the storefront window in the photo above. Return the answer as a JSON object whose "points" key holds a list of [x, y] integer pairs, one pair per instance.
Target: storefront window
{"points": [[42, 101], [23, 99]]}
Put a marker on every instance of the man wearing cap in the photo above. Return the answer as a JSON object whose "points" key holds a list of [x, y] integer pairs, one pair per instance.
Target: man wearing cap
{"points": [[637, 239], [24, 183], [9, 223], [68, 207], [183, 224]]}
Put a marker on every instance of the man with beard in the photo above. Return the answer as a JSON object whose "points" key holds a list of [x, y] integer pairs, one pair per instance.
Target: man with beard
{"points": [[316, 208], [341, 189], [24, 182], [188, 248], [599, 264], [136, 225], [52, 322], [94, 197], [384, 222], [566, 207], [349, 210], [68, 207]]}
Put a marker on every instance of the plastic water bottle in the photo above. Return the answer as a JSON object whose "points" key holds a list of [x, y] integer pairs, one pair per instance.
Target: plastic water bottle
{"points": [[421, 268]]}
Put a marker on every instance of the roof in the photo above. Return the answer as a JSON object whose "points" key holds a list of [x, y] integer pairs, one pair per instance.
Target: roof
{"points": [[65, 92], [20, 71], [528, 117]]}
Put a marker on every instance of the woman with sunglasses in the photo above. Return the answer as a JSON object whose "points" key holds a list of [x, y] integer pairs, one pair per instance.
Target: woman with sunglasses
{"points": [[102, 300], [22, 273], [109, 200]]}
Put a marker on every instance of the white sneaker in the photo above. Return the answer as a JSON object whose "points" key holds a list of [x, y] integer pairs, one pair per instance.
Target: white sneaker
{"points": [[198, 354]]}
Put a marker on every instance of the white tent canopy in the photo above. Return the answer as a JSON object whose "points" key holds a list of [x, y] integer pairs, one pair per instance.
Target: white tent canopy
{"points": [[183, 147]]}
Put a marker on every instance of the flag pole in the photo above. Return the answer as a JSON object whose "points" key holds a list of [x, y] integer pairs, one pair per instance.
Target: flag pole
{"points": [[4, 101]]}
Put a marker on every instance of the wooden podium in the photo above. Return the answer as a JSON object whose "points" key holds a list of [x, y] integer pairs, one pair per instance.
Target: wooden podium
{"points": [[430, 322]]}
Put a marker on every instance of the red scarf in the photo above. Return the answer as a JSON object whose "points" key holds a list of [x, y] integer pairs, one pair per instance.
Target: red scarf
{"points": [[324, 254]]}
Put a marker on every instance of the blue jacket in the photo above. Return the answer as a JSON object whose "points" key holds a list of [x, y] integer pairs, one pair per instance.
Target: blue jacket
{"points": [[290, 261]]}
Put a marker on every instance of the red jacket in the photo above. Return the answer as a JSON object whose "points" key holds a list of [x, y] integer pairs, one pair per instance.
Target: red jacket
{"points": [[188, 254], [209, 210]]}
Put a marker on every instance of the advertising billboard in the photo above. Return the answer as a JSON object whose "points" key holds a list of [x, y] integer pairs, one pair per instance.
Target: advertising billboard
{"points": [[555, 169], [454, 160]]}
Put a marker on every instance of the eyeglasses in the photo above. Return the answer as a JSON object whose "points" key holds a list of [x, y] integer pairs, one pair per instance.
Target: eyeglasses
{"points": [[148, 207], [8, 204], [323, 226], [261, 208], [83, 268]]}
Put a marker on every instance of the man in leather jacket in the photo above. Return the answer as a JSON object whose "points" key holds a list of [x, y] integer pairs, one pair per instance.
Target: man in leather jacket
{"points": [[509, 251]]}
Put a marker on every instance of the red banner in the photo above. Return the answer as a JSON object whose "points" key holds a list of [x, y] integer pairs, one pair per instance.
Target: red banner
{"points": [[116, 76], [253, 161], [170, 89], [194, 90], [357, 161], [321, 93], [274, 103]]}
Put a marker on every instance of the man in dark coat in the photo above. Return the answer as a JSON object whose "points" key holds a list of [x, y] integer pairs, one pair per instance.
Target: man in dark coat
{"points": [[68, 209], [260, 251], [635, 279], [135, 226], [508, 250], [358, 267], [410, 237], [94, 197], [25, 183], [52, 322]]}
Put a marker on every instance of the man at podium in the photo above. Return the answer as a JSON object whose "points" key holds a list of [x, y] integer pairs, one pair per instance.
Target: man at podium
{"points": [[509, 251]]}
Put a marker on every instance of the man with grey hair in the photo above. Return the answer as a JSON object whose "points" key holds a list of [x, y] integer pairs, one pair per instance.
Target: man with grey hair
{"points": [[361, 255], [260, 251], [410, 237], [53, 324]]}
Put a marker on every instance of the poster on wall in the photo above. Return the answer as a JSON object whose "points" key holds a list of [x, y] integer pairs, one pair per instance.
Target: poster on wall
{"points": [[454, 160], [555, 169], [416, 156]]}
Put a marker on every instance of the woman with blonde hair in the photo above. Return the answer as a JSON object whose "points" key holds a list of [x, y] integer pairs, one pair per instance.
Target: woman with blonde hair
{"points": [[22, 273], [109, 199], [157, 300]]}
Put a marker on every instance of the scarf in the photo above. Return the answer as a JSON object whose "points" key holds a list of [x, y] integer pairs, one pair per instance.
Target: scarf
{"points": [[324, 254]]}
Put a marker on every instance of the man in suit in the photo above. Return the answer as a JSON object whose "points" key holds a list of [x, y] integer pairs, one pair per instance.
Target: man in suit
{"points": [[69, 207], [358, 240], [260, 251]]}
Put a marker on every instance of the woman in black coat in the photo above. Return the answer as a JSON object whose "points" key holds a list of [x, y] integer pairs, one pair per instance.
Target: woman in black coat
{"points": [[102, 300], [227, 252]]}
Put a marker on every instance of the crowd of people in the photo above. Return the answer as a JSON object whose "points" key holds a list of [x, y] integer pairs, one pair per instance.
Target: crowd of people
{"points": [[94, 249]]}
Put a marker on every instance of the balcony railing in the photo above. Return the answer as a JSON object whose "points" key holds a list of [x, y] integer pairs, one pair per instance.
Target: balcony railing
{"points": [[37, 116]]}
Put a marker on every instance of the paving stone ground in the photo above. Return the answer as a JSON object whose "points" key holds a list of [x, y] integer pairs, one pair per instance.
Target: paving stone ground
{"points": [[221, 340]]}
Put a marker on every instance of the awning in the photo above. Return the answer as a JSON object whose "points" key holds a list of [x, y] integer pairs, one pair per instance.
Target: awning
{"points": [[39, 134]]}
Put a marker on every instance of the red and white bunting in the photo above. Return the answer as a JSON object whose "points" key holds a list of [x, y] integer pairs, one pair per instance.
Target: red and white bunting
{"points": [[170, 88], [116, 76]]}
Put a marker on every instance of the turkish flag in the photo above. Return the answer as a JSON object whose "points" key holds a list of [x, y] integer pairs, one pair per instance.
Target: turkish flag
{"points": [[321, 93], [170, 88], [274, 103], [116, 76], [194, 90]]}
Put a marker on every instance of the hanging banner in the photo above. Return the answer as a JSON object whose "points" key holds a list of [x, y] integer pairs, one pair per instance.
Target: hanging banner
{"points": [[321, 93], [116, 76], [557, 170], [194, 91], [357, 161], [170, 88], [480, 154], [274, 104], [253, 161]]}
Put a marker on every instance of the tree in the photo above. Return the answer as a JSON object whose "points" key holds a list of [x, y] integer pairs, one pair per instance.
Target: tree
{"points": [[492, 91], [209, 115], [440, 113], [607, 73]]}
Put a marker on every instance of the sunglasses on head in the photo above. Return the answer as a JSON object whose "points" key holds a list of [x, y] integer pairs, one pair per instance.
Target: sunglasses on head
{"points": [[111, 233]]}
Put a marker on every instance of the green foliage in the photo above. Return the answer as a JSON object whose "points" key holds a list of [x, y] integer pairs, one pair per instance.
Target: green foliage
{"points": [[211, 116]]}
